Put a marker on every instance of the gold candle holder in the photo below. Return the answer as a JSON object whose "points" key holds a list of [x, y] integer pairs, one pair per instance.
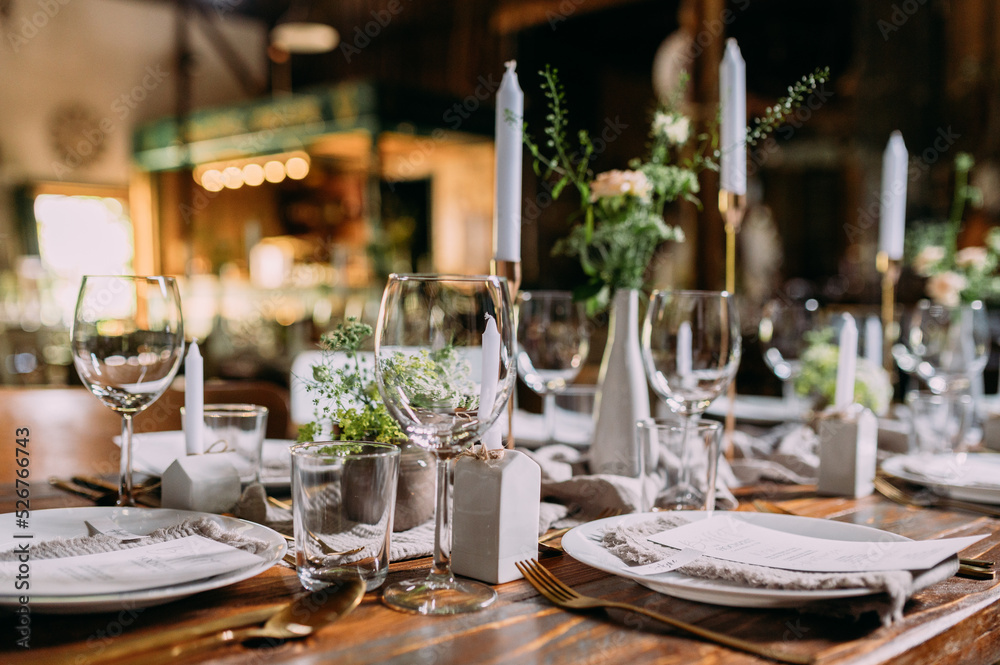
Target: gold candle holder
{"points": [[732, 207], [512, 271], [889, 269]]}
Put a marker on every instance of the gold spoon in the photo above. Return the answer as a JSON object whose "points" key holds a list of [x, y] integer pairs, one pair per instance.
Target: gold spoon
{"points": [[298, 619]]}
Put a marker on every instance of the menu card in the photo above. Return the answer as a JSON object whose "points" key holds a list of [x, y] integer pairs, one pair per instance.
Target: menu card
{"points": [[729, 539], [136, 569]]}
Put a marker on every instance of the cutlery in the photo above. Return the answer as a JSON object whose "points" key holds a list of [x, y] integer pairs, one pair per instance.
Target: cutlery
{"points": [[929, 499], [299, 618], [130, 644], [99, 494], [547, 538], [552, 588]]}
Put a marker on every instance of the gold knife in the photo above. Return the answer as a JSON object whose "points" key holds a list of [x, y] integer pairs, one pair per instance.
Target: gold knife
{"points": [[154, 638]]}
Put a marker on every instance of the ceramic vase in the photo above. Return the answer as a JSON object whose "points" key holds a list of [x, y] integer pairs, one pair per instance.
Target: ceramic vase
{"points": [[622, 395]]}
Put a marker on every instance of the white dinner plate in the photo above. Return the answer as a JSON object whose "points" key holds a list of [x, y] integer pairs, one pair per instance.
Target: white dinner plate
{"points": [[583, 544], [963, 476], [69, 523], [760, 409], [153, 452]]}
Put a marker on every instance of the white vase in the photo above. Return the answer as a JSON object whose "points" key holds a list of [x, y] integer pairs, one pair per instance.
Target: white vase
{"points": [[622, 393]]}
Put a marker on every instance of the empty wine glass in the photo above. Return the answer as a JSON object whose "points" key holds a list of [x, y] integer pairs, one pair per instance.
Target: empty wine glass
{"points": [[691, 349], [444, 350], [782, 333], [127, 340], [552, 342], [945, 346]]}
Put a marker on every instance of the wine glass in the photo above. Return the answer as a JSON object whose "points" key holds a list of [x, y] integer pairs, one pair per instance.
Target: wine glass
{"points": [[782, 333], [552, 343], [691, 349], [128, 340], [444, 351], [945, 346]]}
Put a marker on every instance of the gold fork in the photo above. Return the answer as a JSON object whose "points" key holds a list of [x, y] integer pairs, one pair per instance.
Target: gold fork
{"points": [[552, 588], [897, 495], [547, 538]]}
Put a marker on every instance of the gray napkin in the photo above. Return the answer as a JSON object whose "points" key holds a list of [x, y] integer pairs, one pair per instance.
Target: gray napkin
{"points": [[100, 542], [630, 544]]}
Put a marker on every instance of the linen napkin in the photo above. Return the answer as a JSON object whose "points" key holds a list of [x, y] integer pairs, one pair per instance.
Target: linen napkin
{"points": [[630, 543], [102, 542]]}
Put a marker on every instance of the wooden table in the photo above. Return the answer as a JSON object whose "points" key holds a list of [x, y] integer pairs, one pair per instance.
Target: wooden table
{"points": [[952, 622]]}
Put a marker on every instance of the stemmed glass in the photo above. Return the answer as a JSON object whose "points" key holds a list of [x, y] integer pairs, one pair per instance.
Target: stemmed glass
{"points": [[444, 351], [945, 346], [128, 340], [782, 333], [552, 343], [691, 349]]}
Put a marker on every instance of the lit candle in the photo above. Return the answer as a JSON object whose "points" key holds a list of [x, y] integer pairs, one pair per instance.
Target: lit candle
{"points": [[873, 339], [892, 220], [507, 194], [194, 400], [847, 362], [733, 118], [490, 375]]}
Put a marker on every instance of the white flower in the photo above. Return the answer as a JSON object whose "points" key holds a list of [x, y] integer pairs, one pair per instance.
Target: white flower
{"points": [[928, 257], [945, 288], [675, 127], [971, 257], [620, 183]]}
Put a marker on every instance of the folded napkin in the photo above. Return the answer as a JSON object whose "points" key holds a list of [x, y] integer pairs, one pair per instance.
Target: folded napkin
{"points": [[630, 543], [101, 542]]}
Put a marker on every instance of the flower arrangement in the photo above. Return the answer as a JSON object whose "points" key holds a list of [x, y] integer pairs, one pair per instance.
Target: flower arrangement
{"points": [[352, 409], [620, 225], [818, 376], [956, 275]]}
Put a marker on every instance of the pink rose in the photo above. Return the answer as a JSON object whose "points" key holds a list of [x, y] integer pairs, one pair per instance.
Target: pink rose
{"points": [[928, 257], [971, 257], [945, 288], [620, 183]]}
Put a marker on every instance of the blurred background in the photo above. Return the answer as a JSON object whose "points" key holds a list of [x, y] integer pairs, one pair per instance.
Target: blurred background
{"points": [[283, 156]]}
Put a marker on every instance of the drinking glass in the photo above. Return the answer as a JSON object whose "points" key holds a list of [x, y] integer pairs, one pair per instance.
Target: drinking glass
{"points": [[782, 333], [945, 346], [552, 343], [691, 349], [128, 340], [444, 352]]}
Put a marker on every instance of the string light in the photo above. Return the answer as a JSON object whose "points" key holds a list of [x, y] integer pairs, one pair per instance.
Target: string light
{"points": [[254, 171]]}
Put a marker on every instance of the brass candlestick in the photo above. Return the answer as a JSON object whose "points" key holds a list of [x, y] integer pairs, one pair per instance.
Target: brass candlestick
{"points": [[512, 271], [890, 269], [733, 207]]}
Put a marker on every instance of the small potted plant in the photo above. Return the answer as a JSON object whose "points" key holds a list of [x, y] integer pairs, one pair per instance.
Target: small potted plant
{"points": [[349, 408]]}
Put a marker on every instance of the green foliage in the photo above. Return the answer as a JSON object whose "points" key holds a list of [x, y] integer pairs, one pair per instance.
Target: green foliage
{"points": [[438, 379], [618, 231], [777, 115], [818, 376], [352, 408], [955, 275]]}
